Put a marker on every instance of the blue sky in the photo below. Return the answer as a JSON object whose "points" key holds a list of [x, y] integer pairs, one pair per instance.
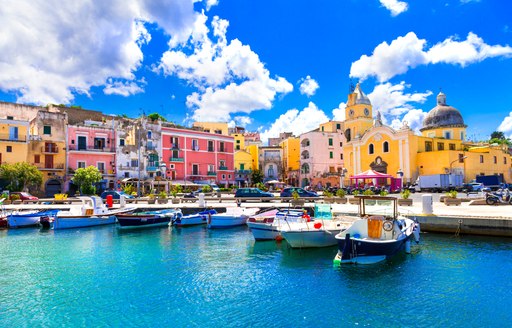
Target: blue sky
{"points": [[271, 66]]}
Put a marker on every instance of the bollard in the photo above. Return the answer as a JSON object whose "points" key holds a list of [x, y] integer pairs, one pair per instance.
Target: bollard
{"points": [[427, 205], [110, 201], [122, 201], [201, 201]]}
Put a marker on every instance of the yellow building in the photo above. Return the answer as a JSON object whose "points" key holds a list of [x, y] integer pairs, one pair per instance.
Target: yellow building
{"points": [[440, 149], [291, 160], [213, 127], [13, 140]]}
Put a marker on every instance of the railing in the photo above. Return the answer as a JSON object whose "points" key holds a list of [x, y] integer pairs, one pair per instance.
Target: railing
{"points": [[212, 173], [128, 168], [150, 147], [176, 159], [49, 166], [272, 158], [223, 168], [8, 137], [152, 168], [243, 171], [89, 148], [50, 149]]}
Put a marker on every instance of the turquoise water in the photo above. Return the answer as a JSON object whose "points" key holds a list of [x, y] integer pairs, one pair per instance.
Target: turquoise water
{"points": [[222, 278]]}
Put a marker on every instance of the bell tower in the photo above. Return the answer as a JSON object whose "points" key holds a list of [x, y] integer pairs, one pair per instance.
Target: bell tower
{"points": [[358, 114]]}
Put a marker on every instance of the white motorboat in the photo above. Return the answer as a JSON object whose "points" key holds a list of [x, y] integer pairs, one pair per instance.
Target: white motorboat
{"points": [[320, 231], [193, 219], [92, 212], [20, 220], [267, 226], [379, 233], [234, 216]]}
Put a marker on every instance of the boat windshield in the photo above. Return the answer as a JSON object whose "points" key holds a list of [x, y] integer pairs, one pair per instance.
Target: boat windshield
{"points": [[385, 206]]}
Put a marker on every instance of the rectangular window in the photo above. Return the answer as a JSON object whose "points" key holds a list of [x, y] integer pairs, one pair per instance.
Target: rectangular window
{"points": [[175, 154], [221, 147], [447, 135], [440, 146], [195, 169], [211, 168], [174, 143], [341, 156], [222, 164], [47, 129], [126, 174], [322, 129], [10, 118], [37, 159], [238, 141], [13, 133], [80, 165], [341, 144], [451, 146], [134, 163], [99, 143], [481, 158], [338, 126], [8, 149], [428, 145], [195, 145], [243, 165], [331, 155], [101, 167], [330, 141], [210, 145], [237, 147], [461, 135], [121, 142], [495, 160]]}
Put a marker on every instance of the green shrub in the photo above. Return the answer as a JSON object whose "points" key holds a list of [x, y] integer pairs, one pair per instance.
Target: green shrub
{"points": [[451, 194], [368, 192], [341, 193], [327, 193], [406, 193]]}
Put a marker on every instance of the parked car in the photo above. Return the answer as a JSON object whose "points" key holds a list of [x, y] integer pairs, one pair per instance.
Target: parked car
{"points": [[252, 192], [23, 195], [287, 192], [115, 194]]}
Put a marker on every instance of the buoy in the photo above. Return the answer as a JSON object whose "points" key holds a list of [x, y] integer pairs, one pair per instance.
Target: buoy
{"points": [[279, 238], [317, 225]]}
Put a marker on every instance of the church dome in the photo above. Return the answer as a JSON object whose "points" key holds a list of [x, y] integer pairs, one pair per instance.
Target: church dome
{"points": [[442, 116], [361, 98]]}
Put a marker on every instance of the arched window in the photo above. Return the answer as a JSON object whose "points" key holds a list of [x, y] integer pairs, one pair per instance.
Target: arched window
{"points": [[305, 168], [305, 143], [149, 134], [305, 154], [370, 149], [385, 147]]}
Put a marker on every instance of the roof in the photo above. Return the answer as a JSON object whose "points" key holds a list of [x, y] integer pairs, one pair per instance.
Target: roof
{"points": [[371, 174]]}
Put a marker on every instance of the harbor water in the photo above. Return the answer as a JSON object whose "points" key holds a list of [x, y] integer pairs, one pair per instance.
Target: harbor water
{"points": [[176, 277]]}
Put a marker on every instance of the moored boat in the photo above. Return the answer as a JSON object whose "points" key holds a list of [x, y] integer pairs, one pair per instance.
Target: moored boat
{"points": [[379, 233], [20, 220], [92, 212], [267, 227], [193, 219], [147, 219], [233, 217]]}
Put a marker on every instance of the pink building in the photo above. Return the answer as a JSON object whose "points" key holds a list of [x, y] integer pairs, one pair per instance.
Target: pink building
{"points": [[192, 155], [92, 143]]}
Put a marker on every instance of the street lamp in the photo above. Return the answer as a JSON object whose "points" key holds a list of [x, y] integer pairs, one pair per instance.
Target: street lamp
{"points": [[458, 159], [163, 169]]}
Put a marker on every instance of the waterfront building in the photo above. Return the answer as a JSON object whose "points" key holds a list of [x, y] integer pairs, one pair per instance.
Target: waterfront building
{"points": [[291, 160], [243, 161], [195, 155], [321, 155], [271, 162], [441, 148]]}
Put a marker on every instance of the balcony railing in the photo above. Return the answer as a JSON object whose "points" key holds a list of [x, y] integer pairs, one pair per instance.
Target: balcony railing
{"points": [[8, 137], [92, 148], [150, 147], [176, 159], [223, 168], [211, 173], [49, 166], [50, 149], [243, 171], [152, 168], [128, 168]]}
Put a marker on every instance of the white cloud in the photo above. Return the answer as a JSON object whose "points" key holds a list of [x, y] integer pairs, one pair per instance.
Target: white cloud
{"points": [[389, 60], [124, 88], [413, 118], [338, 114], [308, 86], [394, 6], [506, 126], [296, 121], [229, 76], [50, 50]]}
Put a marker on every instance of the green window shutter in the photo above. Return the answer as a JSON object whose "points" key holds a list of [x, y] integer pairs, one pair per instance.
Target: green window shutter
{"points": [[47, 129]]}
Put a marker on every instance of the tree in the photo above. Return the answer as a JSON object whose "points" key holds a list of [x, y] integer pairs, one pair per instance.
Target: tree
{"points": [[21, 176], [498, 135], [156, 117], [86, 178], [256, 177]]}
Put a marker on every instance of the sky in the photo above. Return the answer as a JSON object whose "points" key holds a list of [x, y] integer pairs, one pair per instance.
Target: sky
{"points": [[270, 65]]}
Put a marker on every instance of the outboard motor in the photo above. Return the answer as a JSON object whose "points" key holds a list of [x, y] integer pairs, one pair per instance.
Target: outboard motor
{"points": [[346, 253], [45, 222]]}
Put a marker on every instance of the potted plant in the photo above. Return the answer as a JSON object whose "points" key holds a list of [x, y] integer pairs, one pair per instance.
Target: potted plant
{"points": [[175, 189], [405, 200], [206, 189], [151, 198], [15, 199], [328, 197], [296, 201], [162, 197], [354, 200], [340, 194], [5, 197], [451, 198]]}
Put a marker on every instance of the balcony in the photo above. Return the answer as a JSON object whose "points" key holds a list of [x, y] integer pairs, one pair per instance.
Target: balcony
{"points": [[175, 146], [48, 166], [9, 137], [152, 168], [176, 159], [150, 147], [212, 173], [243, 171], [223, 168], [92, 148], [128, 168], [50, 149]]}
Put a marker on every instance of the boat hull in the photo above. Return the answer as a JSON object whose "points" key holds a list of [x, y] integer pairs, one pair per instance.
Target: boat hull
{"points": [[28, 220], [312, 238], [369, 251], [220, 221], [263, 231], [194, 219], [142, 221], [63, 222]]}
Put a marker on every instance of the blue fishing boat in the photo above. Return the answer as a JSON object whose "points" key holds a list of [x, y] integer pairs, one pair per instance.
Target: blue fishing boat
{"points": [[19, 220], [193, 219], [148, 219]]}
